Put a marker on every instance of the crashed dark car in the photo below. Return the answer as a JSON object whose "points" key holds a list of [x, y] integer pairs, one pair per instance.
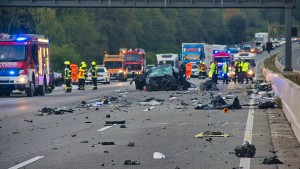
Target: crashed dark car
{"points": [[162, 78]]}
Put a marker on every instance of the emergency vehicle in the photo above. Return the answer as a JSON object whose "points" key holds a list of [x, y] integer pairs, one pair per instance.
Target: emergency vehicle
{"points": [[135, 60], [115, 65], [221, 57], [248, 57], [24, 64], [192, 52], [168, 59]]}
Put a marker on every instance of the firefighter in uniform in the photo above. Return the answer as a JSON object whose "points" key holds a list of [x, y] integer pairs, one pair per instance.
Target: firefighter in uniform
{"points": [[82, 76], [68, 76], [245, 68], [238, 71], [225, 72], [94, 74], [202, 70], [214, 72]]}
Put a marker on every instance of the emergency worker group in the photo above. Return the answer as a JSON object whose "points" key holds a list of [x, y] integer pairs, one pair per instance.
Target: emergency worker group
{"points": [[184, 73], [82, 75], [240, 67]]}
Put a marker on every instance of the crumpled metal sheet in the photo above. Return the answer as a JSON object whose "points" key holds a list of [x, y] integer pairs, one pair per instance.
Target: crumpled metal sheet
{"points": [[48, 111], [245, 150], [208, 85], [271, 160], [162, 78]]}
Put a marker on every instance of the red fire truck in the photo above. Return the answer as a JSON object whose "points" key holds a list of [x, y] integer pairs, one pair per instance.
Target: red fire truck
{"points": [[135, 60], [24, 64]]}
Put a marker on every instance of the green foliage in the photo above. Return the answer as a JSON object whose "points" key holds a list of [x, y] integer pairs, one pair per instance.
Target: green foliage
{"points": [[278, 102], [85, 33], [59, 54], [237, 26], [151, 58]]}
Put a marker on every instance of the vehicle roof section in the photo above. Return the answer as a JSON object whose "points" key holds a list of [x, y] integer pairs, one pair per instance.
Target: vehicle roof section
{"points": [[221, 54]]}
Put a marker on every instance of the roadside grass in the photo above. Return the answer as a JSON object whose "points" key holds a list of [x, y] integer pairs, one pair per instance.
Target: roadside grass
{"points": [[270, 64]]}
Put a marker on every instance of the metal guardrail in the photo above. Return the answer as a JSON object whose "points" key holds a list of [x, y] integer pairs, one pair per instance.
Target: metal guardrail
{"points": [[151, 3]]}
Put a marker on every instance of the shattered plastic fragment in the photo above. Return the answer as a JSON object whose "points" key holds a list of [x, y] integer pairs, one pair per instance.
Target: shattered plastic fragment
{"points": [[151, 103], [211, 134], [108, 143], [115, 122], [271, 160], [129, 162], [158, 155]]}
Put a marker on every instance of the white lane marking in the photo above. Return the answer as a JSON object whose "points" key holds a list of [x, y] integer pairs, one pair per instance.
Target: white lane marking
{"points": [[245, 162], [106, 127], [27, 162]]}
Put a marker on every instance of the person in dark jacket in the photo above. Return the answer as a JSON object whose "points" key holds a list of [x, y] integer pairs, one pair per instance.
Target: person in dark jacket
{"points": [[181, 74]]}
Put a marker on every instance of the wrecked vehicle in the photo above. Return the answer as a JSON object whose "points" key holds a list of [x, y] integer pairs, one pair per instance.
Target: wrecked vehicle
{"points": [[162, 78]]}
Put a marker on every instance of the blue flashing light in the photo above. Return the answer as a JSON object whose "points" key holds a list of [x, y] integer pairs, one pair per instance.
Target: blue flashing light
{"points": [[21, 38], [12, 72], [215, 51], [228, 51]]}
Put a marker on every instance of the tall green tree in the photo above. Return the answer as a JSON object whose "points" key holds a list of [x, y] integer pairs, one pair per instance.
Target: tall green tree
{"points": [[237, 26]]}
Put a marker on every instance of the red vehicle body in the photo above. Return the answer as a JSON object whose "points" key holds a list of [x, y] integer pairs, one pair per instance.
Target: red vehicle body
{"points": [[221, 58], [24, 64], [135, 60]]}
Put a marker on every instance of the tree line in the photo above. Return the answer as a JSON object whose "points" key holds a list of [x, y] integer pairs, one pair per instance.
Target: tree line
{"points": [[83, 34]]}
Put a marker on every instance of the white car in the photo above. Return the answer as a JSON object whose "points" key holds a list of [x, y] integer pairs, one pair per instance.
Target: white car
{"points": [[103, 75], [195, 72]]}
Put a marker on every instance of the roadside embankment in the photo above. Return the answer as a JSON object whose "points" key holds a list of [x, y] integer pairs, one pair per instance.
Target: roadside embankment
{"points": [[289, 92]]}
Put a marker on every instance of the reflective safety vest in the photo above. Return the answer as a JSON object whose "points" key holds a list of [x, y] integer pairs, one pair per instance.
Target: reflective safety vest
{"points": [[201, 67], [238, 66], [68, 73], [188, 66], [245, 67], [225, 68], [213, 68], [82, 72], [94, 71]]}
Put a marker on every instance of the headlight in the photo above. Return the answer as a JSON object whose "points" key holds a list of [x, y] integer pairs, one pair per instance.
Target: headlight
{"points": [[22, 79], [120, 71], [250, 72]]}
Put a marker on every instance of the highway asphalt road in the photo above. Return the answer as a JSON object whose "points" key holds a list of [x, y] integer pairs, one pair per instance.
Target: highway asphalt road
{"points": [[295, 57], [74, 140]]}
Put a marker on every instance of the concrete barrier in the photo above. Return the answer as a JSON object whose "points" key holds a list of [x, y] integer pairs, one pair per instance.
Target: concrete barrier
{"points": [[289, 92]]}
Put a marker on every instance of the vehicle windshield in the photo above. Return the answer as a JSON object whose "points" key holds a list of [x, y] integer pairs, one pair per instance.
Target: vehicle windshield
{"points": [[251, 62], [168, 62], [161, 71], [222, 60], [259, 39], [191, 57], [113, 65], [12, 53], [100, 70], [132, 57]]}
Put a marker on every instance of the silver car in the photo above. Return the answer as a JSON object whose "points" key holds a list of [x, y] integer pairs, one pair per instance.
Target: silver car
{"points": [[103, 75]]}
